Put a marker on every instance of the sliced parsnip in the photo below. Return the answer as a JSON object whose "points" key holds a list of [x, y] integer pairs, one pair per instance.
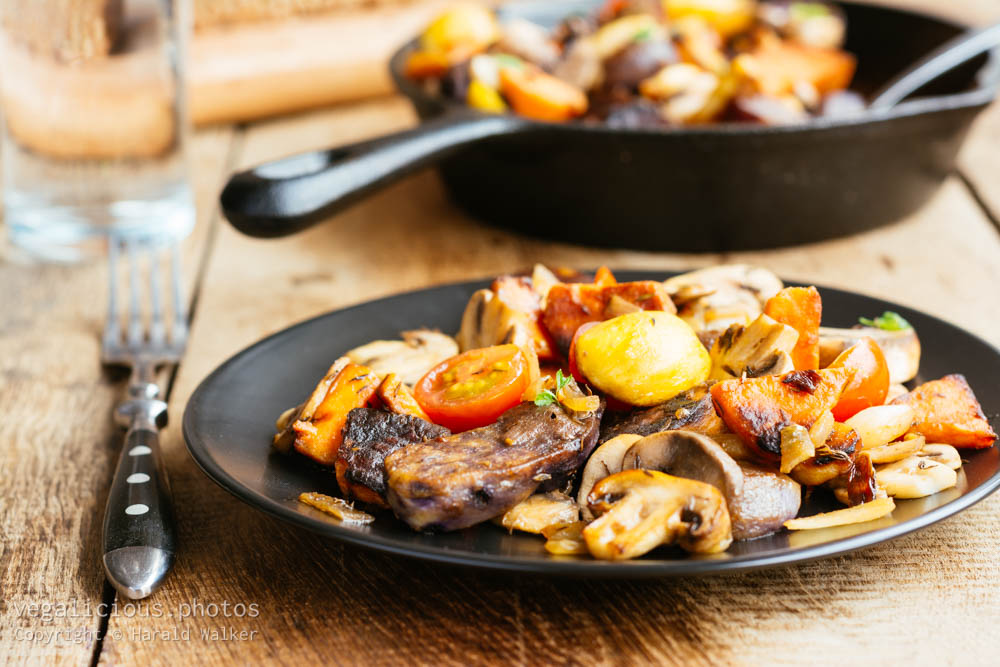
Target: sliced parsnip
{"points": [[944, 454], [916, 477], [881, 424], [335, 507], [540, 511], [566, 540], [896, 451], [875, 509], [822, 428]]}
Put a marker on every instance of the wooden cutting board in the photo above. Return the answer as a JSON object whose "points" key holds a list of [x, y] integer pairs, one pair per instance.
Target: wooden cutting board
{"points": [[248, 71]]}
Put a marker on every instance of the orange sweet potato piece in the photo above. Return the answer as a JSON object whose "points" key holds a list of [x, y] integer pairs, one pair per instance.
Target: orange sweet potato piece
{"points": [[425, 64], [319, 436], [756, 409], [777, 65], [536, 94], [603, 277], [568, 305], [398, 398], [517, 293], [356, 491], [800, 308], [947, 411]]}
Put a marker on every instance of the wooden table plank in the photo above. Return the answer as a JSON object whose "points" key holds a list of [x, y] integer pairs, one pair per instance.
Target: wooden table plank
{"points": [[59, 445], [318, 600]]}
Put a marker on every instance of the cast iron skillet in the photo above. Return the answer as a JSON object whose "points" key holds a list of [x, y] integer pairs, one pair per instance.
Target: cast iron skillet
{"points": [[229, 421], [713, 188]]}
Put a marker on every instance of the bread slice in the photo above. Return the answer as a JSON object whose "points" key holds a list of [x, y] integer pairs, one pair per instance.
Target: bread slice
{"points": [[66, 30]]}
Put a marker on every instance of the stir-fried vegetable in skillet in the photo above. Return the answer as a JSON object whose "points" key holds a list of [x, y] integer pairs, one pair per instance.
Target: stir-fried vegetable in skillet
{"points": [[646, 63], [613, 418]]}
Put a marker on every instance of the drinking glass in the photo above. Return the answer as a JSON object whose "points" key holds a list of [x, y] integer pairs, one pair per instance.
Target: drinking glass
{"points": [[94, 123]]}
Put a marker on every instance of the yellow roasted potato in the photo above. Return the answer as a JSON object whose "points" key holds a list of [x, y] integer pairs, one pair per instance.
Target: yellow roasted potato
{"points": [[464, 26], [642, 358]]}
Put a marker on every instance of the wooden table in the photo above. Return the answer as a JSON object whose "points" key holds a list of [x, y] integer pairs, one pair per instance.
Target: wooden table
{"points": [[927, 598]]}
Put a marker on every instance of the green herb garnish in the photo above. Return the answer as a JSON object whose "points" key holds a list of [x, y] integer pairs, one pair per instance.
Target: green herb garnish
{"points": [[887, 321], [643, 35], [507, 60], [802, 11], [547, 396]]}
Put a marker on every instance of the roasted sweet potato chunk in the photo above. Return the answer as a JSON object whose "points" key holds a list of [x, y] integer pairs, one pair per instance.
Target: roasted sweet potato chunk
{"points": [[319, 435], [398, 398], [756, 409], [800, 308], [947, 411], [570, 305]]}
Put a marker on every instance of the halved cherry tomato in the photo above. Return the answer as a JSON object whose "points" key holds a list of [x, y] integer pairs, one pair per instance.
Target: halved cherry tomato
{"points": [[472, 389], [870, 382]]}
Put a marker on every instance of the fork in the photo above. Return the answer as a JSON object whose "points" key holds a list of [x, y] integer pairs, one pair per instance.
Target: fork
{"points": [[139, 536]]}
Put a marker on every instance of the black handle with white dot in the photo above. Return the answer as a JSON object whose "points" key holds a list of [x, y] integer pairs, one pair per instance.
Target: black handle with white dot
{"points": [[139, 534]]}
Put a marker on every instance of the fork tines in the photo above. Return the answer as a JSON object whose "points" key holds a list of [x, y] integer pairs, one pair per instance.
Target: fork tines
{"points": [[164, 338]]}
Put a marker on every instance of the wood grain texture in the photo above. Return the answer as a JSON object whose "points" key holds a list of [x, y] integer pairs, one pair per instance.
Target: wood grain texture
{"points": [[58, 445], [927, 598]]}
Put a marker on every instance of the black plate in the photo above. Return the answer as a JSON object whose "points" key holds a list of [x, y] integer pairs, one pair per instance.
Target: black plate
{"points": [[229, 421], [715, 187]]}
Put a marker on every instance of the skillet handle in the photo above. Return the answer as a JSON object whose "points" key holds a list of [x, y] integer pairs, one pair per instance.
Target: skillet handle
{"points": [[285, 196]]}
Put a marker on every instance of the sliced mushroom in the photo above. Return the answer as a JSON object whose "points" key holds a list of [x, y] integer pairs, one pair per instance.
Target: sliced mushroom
{"points": [[714, 298], [915, 477], [410, 358], [772, 499], [639, 510], [541, 511], [760, 282], [901, 348], [529, 41], [763, 348], [488, 321], [718, 309], [604, 462], [689, 455], [944, 454]]}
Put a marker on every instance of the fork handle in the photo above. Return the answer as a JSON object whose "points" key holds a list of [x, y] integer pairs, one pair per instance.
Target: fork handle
{"points": [[139, 531]]}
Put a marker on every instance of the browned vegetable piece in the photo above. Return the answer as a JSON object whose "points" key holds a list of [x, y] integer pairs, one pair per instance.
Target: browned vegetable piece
{"points": [[570, 305], [285, 437], [861, 486], [519, 294], [319, 436], [775, 66], [800, 308], [541, 96], [832, 460], [398, 398], [757, 409], [947, 411], [638, 510]]}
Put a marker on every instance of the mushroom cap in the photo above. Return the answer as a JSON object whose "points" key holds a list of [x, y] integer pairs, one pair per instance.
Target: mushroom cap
{"points": [[604, 462], [638, 510], [759, 499], [689, 455]]}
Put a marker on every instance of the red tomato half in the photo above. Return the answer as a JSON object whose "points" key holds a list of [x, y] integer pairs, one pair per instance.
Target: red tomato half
{"points": [[472, 389], [870, 382]]}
